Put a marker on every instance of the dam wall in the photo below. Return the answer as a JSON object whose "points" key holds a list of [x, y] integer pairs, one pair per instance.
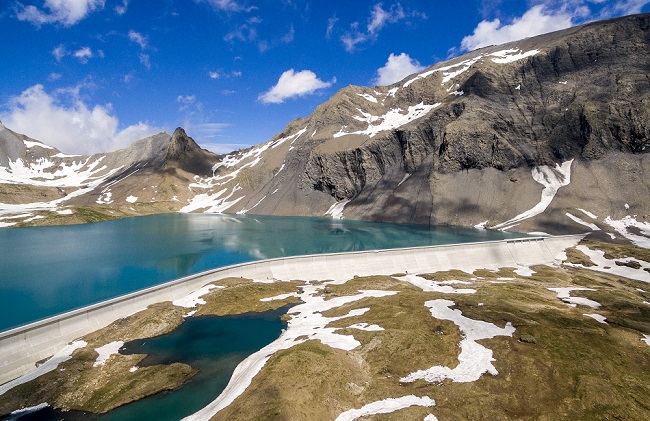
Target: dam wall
{"points": [[22, 347]]}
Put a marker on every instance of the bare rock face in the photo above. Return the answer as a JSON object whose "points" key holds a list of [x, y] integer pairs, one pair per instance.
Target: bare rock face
{"points": [[184, 153], [456, 143]]}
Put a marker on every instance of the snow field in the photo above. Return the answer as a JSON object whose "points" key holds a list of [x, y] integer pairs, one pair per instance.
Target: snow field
{"points": [[474, 359], [336, 210], [609, 266], [391, 120], [62, 356], [552, 179], [194, 299], [564, 294], [106, 351], [385, 406]]}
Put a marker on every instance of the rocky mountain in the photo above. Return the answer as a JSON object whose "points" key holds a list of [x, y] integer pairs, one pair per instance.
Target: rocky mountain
{"points": [[516, 135], [548, 134], [39, 184]]}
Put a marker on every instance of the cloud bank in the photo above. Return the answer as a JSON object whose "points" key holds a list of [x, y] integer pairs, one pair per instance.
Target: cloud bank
{"points": [[73, 128], [65, 12], [547, 16]]}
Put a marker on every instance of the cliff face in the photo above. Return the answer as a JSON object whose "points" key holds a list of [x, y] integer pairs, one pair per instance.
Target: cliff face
{"points": [[459, 142]]}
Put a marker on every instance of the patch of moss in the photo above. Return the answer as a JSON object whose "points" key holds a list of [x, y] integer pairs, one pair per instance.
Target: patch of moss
{"points": [[617, 250], [242, 295], [577, 257], [78, 385]]}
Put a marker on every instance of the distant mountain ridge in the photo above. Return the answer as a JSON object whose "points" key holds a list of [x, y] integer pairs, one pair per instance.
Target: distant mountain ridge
{"points": [[517, 136]]}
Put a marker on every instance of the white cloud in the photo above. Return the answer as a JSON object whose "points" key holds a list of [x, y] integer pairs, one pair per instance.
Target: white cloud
{"points": [[217, 74], [145, 60], [59, 52], [623, 7], [379, 18], [84, 54], [292, 84], [74, 127], [228, 5], [289, 36], [537, 20], [331, 22], [121, 9], [138, 38], [65, 12], [396, 69], [186, 101]]}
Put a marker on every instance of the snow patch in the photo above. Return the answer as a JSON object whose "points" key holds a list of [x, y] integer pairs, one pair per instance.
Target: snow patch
{"points": [[385, 406], [646, 339], [131, 199], [391, 120], [433, 286], [609, 266], [510, 56], [29, 144], [336, 210], [524, 271], [106, 351], [65, 212], [552, 179], [589, 225], [243, 211], [280, 297], [474, 359], [62, 356], [406, 177], [366, 327], [642, 239], [564, 294], [368, 97], [599, 318], [589, 214], [194, 299]]}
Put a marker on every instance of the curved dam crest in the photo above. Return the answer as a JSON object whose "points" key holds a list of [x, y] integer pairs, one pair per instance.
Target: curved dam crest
{"points": [[22, 347]]}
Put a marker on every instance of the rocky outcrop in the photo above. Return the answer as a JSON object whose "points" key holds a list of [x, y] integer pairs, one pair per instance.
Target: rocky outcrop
{"points": [[487, 119], [184, 153]]}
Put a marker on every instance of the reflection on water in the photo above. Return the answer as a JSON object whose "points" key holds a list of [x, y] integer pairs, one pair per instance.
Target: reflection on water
{"points": [[49, 270]]}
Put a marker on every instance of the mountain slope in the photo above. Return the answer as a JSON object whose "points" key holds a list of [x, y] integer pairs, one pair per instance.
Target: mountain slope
{"points": [[547, 124], [39, 184]]}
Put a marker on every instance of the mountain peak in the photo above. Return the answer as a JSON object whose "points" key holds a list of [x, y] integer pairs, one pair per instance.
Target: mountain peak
{"points": [[184, 153], [181, 146]]}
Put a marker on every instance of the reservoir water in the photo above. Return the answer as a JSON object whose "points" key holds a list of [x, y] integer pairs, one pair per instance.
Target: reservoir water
{"points": [[49, 270]]}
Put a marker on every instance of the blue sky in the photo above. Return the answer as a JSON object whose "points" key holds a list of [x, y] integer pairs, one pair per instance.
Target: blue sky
{"points": [[91, 76]]}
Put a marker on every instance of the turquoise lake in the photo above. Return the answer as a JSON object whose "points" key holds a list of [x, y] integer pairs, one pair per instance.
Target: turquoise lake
{"points": [[49, 270]]}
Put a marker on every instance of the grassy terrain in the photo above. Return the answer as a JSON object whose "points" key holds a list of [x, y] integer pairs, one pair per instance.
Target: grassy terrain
{"points": [[559, 363]]}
